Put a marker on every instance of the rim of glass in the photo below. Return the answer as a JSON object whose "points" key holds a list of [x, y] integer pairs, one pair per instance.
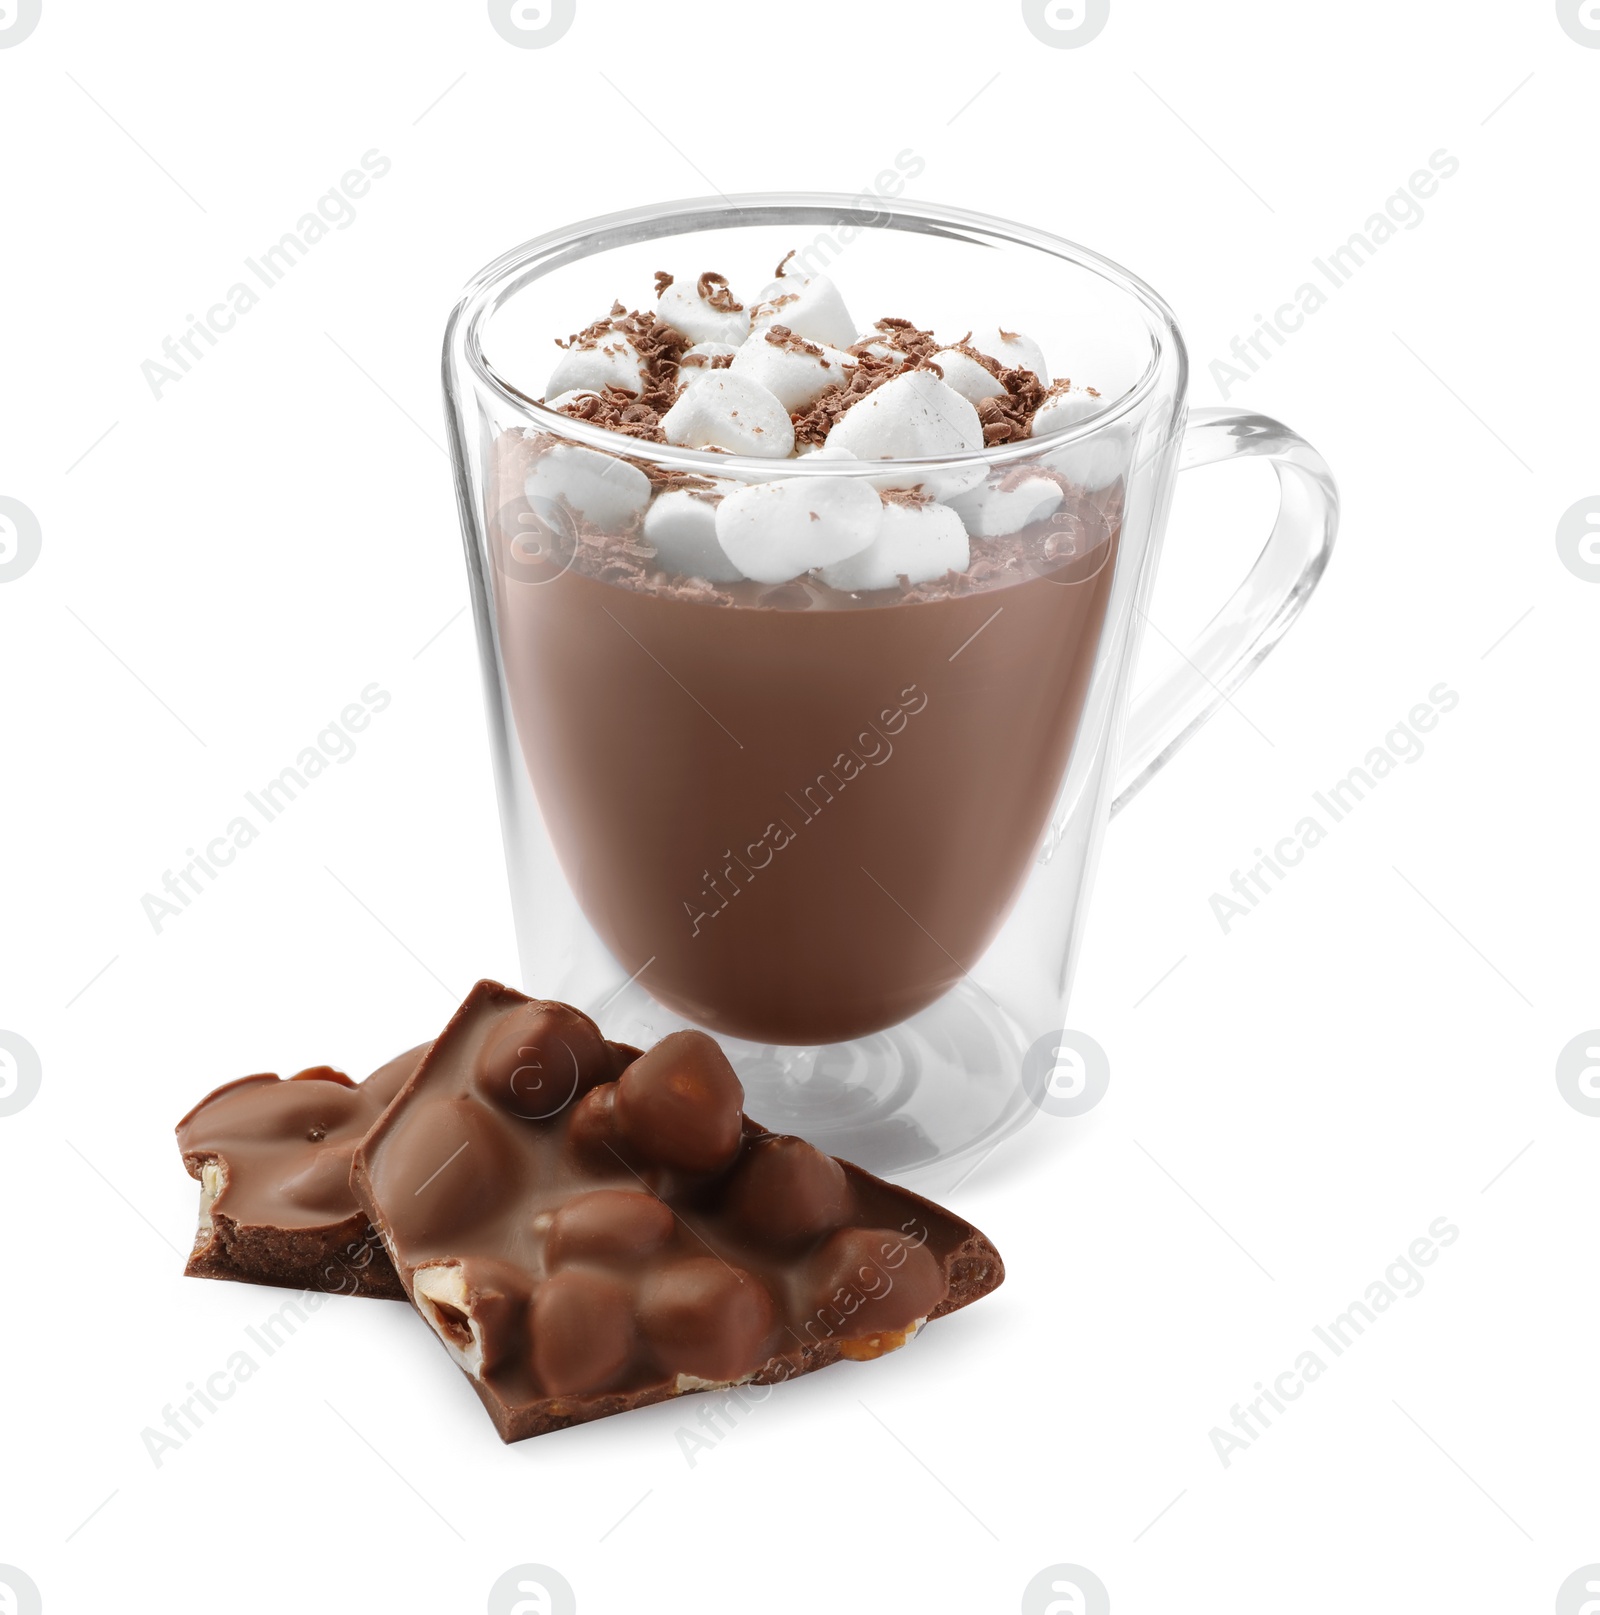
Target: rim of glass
{"points": [[497, 282]]}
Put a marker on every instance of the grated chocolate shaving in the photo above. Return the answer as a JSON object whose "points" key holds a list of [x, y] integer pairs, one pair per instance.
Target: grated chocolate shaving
{"points": [[663, 281], [902, 337], [665, 480], [660, 347], [783, 263], [625, 560], [713, 290], [780, 336], [906, 498], [773, 304], [1008, 416]]}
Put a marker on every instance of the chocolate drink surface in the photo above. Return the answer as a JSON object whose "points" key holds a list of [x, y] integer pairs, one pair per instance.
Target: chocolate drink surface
{"points": [[809, 811]]}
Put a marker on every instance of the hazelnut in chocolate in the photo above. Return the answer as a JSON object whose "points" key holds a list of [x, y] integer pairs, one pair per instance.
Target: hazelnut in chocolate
{"points": [[589, 1229]]}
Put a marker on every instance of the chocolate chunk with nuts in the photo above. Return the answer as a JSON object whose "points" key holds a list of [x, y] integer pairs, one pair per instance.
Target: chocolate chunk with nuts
{"points": [[643, 1238]]}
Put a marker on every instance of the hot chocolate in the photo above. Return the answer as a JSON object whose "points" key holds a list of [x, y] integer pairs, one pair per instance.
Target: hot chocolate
{"points": [[796, 741]]}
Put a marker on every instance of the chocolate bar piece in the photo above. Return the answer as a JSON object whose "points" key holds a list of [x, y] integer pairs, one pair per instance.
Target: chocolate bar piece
{"points": [[590, 1230], [273, 1159]]}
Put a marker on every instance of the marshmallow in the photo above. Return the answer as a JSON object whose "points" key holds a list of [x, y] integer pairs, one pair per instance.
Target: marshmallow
{"points": [[774, 531], [810, 305], [918, 544], [1066, 408], [1012, 349], [609, 361], [993, 510], [682, 528], [684, 309], [1095, 463], [796, 377], [966, 375], [914, 416], [602, 489], [732, 412], [704, 352]]}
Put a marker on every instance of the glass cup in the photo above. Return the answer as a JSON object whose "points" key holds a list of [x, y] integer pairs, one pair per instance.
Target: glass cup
{"points": [[845, 820]]}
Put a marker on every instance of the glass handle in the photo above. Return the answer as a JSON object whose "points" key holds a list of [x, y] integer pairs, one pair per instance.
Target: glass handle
{"points": [[1273, 594]]}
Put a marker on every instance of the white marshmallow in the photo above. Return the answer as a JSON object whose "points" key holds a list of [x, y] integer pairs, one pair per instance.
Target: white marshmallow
{"points": [[601, 488], [797, 379], [729, 411], [914, 416], [918, 544], [684, 309], [689, 371], [561, 400], [682, 527], [1064, 409], [909, 417], [810, 305], [774, 531], [992, 511], [612, 361], [1095, 463], [1012, 349], [966, 375]]}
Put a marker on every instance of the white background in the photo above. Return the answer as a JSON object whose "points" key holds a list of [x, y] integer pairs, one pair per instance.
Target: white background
{"points": [[1372, 1048]]}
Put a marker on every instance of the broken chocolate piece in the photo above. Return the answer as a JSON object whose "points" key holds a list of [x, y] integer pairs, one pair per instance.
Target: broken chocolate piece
{"points": [[273, 1159], [643, 1240]]}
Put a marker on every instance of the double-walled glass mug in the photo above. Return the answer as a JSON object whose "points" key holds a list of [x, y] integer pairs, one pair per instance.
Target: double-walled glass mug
{"points": [[847, 828]]}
